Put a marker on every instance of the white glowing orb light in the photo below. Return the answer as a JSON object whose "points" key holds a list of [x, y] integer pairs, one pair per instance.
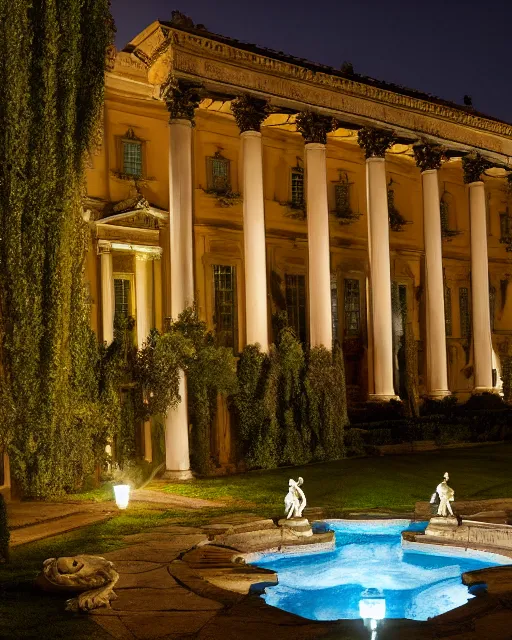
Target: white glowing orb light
{"points": [[372, 608], [122, 494]]}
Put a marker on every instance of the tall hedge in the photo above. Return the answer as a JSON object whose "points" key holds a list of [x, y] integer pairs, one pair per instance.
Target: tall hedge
{"points": [[52, 77]]}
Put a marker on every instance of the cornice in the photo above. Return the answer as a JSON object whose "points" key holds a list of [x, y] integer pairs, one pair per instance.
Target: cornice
{"points": [[226, 52]]}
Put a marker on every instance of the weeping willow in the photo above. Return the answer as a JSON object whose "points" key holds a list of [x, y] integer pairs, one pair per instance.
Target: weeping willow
{"points": [[52, 75]]}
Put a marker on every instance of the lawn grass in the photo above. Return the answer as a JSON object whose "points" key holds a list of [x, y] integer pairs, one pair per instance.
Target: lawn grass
{"points": [[387, 482]]}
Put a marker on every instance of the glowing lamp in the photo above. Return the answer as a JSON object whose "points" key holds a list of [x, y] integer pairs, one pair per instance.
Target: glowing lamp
{"points": [[372, 605], [122, 495]]}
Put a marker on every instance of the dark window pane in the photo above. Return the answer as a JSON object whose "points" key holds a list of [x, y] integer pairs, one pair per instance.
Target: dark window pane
{"points": [[296, 304], [132, 158], [352, 307], [334, 307], [224, 287], [448, 311], [218, 171], [297, 188], [465, 318], [122, 297], [505, 226]]}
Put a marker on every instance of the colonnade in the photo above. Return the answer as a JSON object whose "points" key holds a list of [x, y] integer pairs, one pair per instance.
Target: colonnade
{"points": [[182, 100]]}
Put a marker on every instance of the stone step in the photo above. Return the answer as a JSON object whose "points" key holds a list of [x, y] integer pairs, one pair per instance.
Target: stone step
{"points": [[55, 527]]}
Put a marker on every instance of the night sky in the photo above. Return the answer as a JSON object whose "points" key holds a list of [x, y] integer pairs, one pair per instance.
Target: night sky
{"points": [[445, 47]]}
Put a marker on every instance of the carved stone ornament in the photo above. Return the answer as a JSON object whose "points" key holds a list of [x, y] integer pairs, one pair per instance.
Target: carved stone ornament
{"points": [[249, 112], [374, 142], [91, 577], [428, 156], [473, 166], [181, 97], [314, 127]]}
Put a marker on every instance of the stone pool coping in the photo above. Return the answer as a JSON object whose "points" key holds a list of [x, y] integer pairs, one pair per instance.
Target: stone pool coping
{"points": [[186, 582]]}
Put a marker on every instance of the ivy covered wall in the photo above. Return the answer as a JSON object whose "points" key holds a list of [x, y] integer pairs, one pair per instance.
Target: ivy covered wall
{"points": [[51, 74]]}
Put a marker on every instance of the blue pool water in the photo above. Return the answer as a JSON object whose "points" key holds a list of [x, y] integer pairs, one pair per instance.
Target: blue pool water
{"points": [[369, 575]]}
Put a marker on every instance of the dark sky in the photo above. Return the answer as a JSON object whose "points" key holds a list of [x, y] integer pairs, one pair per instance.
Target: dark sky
{"points": [[445, 47]]}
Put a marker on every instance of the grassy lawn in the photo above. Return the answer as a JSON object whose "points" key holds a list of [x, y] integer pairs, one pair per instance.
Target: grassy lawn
{"points": [[388, 482]]}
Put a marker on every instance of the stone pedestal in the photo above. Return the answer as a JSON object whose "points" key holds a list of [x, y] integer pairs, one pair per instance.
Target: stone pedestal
{"points": [[299, 526]]}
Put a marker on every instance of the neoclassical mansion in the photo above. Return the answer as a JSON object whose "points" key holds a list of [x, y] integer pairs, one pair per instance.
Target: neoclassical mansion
{"points": [[251, 182]]}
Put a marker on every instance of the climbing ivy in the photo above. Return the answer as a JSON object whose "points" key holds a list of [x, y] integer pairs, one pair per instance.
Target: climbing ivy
{"points": [[52, 76]]}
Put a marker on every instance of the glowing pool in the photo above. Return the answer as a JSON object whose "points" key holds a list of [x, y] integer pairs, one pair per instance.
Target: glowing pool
{"points": [[370, 576]]}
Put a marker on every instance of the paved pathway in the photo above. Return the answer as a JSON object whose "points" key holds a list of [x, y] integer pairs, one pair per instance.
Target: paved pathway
{"points": [[31, 521]]}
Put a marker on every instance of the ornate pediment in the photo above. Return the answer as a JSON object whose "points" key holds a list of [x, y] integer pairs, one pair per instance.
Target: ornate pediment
{"points": [[136, 213]]}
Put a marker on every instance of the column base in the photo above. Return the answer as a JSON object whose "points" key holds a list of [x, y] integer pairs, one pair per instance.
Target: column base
{"points": [[185, 474], [478, 391], [438, 394], [377, 397]]}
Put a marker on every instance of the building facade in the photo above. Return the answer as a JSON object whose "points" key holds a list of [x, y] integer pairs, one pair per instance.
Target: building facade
{"points": [[249, 183]]}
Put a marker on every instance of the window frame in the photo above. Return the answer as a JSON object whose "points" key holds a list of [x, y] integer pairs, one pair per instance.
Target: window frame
{"points": [[131, 298], [234, 303], [297, 172], [349, 335], [210, 182], [302, 335], [130, 137], [465, 334]]}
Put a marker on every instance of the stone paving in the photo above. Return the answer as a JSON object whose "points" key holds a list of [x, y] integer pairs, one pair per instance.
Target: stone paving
{"points": [[186, 582]]}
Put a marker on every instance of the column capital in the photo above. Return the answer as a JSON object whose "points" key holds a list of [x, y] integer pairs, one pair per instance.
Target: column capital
{"points": [[314, 127], [104, 246], [473, 165], [181, 98], [428, 157], [374, 142], [249, 112]]}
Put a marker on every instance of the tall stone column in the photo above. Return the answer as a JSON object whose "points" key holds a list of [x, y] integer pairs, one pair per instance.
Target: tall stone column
{"points": [[144, 303], [249, 114], [428, 159], [473, 167], [107, 290], [314, 129], [143, 297], [182, 98], [375, 143]]}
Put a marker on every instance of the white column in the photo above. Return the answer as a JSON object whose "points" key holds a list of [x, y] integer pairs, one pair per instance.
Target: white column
{"points": [[437, 372], [254, 241], [143, 297], [319, 260], [107, 291], [378, 228], [482, 342], [177, 456]]}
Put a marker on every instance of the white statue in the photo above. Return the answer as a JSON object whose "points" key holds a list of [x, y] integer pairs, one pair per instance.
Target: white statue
{"points": [[295, 500], [446, 495]]}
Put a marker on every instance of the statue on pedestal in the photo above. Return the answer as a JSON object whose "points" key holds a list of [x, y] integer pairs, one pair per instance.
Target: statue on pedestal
{"points": [[295, 500], [445, 495]]}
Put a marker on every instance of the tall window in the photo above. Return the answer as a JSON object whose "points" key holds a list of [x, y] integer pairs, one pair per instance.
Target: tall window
{"points": [[448, 311], [132, 157], [122, 297], [224, 287], [352, 307], [297, 178], [296, 304], [465, 317], [218, 173], [505, 227], [334, 307], [444, 208]]}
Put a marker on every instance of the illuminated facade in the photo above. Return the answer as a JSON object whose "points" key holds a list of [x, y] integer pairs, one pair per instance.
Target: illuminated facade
{"points": [[372, 214]]}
